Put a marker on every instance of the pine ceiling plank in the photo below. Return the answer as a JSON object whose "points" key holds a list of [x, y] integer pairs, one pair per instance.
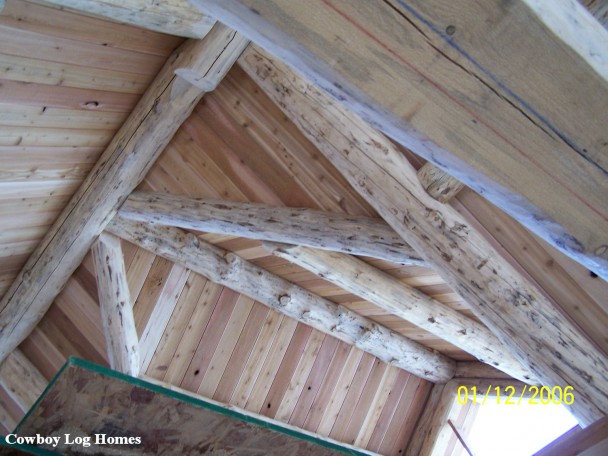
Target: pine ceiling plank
{"points": [[364, 369], [414, 399], [191, 337], [293, 355], [161, 314], [10, 413], [388, 411], [39, 46], [271, 364], [198, 173], [45, 117], [226, 345], [244, 347], [256, 159], [330, 381], [297, 382], [176, 327], [256, 358], [39, 189], [137, 272], [56, 96], [27, 136], [155, 281], [68, 338], [314, 380], [12, 157], [332, 411], [464, 107], [124, 164], [175, 17], [256, 116], [43, 353], [43, 72], [211, 135], [370, 404], [84, 313], [224, 308], [29, 172], [382, 174], [66, 24]]}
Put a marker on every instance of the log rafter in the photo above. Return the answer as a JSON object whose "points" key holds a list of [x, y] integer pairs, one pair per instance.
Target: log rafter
{"points": [[166, 104], [228, 269], [537, 334]]}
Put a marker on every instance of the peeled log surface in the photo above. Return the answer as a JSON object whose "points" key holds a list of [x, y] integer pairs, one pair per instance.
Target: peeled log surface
{"points": [[166, 104], [406, 302], [526, 322], [116, 308], [228, 269], [323, 230]]}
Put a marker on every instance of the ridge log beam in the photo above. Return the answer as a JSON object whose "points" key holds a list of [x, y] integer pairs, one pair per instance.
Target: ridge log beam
{"points": [[406, 302], [228, 269], [444, 78], [117, 318], [526, 322], [166, 104], [324, 230]]}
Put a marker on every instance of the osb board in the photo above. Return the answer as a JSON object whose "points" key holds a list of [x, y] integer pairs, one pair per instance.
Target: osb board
{"points": [[86, 400]]}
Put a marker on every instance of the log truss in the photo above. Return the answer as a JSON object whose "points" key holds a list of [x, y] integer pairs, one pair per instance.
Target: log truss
{"points": [[527, 337]]}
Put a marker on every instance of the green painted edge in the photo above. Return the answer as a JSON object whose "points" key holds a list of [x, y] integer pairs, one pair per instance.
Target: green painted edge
{"points": [[73, 361]]}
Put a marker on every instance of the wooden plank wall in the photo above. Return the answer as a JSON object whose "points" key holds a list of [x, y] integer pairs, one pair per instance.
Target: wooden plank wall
{"points": [[67, 82]]}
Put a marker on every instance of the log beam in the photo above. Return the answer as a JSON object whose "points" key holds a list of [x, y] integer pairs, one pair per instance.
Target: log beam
{"points": [[117, 317], [537, 334], [228, 269], [406, 302], [175, 17], [443, 78], [330, 231], [21, 380], [165, 105]]}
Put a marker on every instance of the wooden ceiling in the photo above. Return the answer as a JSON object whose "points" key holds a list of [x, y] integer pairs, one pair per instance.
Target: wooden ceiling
{"points": [[67, 84]]}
